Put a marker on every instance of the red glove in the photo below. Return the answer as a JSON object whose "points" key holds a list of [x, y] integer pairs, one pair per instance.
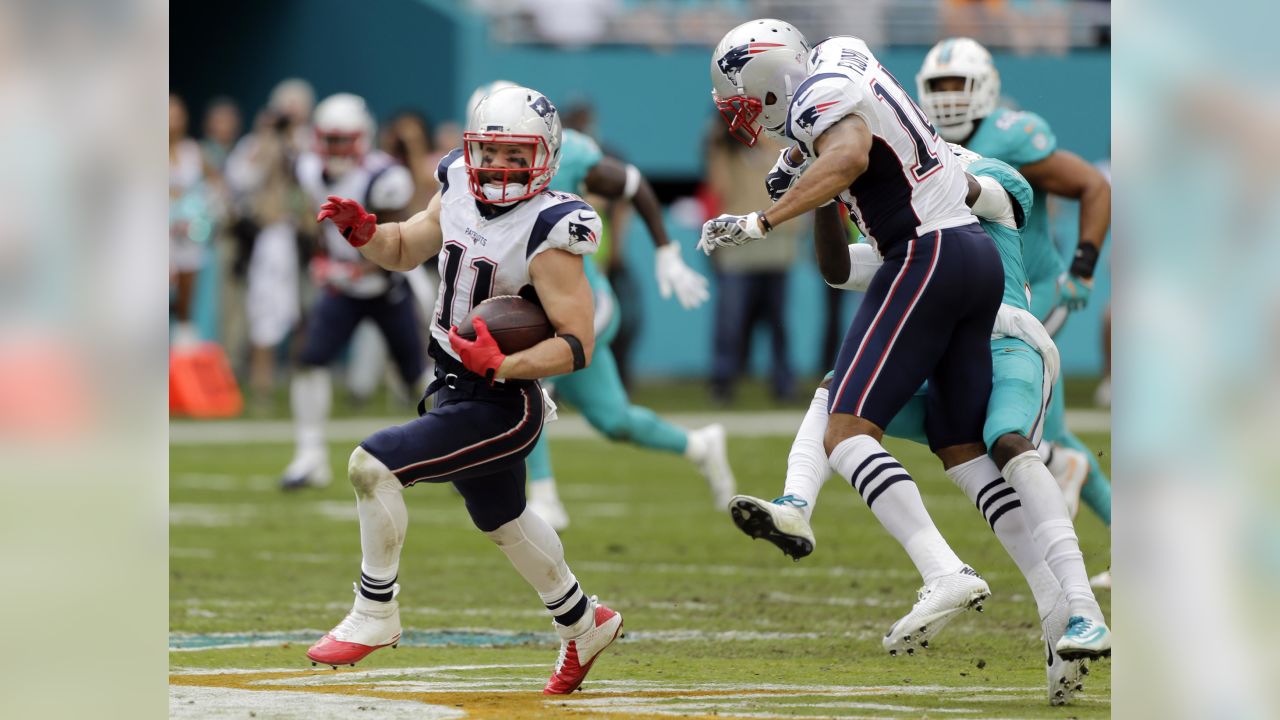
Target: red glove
{"points": [[481, 356], [356, 225]]}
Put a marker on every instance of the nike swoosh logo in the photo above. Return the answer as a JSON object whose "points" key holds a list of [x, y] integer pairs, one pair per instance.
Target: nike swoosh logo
{"points": [[585, 218]]}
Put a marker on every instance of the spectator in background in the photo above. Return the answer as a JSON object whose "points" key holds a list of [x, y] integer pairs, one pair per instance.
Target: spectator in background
{"points": [[751, 279], [191, 219], [272, 208], [222, 127], [571, 23], [407, 138]]}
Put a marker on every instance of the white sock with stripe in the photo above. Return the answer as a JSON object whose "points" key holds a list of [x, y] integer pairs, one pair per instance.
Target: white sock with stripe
{"points": [[1046, 512], [384, 520], [535, 550], [892, 495], [1002, 509], [807, 468]]}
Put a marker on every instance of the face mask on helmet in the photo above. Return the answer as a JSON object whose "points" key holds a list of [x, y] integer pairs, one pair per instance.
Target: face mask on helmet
{"points": [[341, 152], [504, 168], [948, 102]]}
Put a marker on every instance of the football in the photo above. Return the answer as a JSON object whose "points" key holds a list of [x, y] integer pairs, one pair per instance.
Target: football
{"points": [[516, 323]]}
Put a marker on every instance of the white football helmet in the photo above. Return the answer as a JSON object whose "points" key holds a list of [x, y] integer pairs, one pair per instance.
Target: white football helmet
{"points": [[511, 116], [953, 112], [344, 128], [479, 94], [754, 72]]}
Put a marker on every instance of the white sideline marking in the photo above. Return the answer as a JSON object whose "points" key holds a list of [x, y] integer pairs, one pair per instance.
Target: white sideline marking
{"points": [[769, 423], [206, 702]]}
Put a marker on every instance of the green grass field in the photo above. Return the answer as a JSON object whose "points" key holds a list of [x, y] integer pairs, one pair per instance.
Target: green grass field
{"points": [[717, 625]]}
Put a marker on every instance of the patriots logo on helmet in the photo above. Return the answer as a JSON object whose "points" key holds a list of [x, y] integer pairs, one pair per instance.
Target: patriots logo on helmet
{"points": [[544, 108], [732, 62], [810, 115], [580, 233]]}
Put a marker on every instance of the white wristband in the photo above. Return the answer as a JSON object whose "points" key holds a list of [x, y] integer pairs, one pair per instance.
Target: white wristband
{"points": [[632, 184]]}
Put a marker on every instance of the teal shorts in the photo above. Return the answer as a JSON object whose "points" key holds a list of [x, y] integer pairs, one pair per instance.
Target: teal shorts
{"points": [[1019, 393]]}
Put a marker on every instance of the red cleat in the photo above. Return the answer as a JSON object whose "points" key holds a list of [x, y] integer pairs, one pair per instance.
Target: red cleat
{"points": [[577, 654], [370, 625]]}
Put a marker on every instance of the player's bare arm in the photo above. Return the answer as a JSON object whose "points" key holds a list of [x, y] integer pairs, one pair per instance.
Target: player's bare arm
{"points": [[843, 152], [831, 244], [615, 180], [566, 297], [402, 246], [1067, 174]]}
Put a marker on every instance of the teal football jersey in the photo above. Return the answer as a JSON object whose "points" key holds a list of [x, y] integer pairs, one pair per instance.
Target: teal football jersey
{"points": [[1009, 241], [578, 154], [1020, 138]]}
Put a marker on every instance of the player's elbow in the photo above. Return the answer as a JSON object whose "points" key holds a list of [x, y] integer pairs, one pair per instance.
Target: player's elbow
{"points": [[833, 275]]}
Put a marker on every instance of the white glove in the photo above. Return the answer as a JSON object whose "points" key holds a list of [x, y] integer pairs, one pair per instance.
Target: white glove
{"points": [[730, 230], [674, 276]]}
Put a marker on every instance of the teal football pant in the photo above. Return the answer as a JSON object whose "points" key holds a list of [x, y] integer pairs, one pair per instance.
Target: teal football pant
{"points": [[597, 393]]}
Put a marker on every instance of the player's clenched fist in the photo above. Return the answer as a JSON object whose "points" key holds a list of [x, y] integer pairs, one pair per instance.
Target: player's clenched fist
{"points": [[355, 223]]}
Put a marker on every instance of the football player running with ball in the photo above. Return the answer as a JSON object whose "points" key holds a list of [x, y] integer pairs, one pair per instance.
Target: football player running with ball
{"points": [[928, 312], [496, 228], [597, 392]]}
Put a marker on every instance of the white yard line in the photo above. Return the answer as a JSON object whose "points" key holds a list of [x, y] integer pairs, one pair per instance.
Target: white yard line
{"points": [[771, 423]]}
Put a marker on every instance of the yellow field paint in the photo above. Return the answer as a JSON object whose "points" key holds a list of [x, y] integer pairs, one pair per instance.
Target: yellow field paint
{"points": [[485, 705]]}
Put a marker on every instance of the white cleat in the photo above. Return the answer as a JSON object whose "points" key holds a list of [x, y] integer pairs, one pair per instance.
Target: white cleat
{"points": [[1065, 677], [1101, 581], [370, 625], [309, 468], [779, 522], [1071, 469], [545, 503], [938, 602], [1085, 638], [714, 465]]}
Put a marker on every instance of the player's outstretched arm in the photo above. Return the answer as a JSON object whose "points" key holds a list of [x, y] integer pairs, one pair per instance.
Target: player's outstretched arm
{"points": [[1067, 174], [843, 152], [613, 179], [566, 297], [399, 246]]}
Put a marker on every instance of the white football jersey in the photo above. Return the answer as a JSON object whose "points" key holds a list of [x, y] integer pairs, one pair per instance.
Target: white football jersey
{"points": [[486, 257], [913, 184], [380, 184]]}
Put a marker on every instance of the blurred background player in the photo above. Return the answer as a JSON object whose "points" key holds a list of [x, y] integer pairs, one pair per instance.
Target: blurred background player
{"points": [[351, 288], [506, 231], [928, 311], [959, 89], [271, 208], [597, 392]]}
